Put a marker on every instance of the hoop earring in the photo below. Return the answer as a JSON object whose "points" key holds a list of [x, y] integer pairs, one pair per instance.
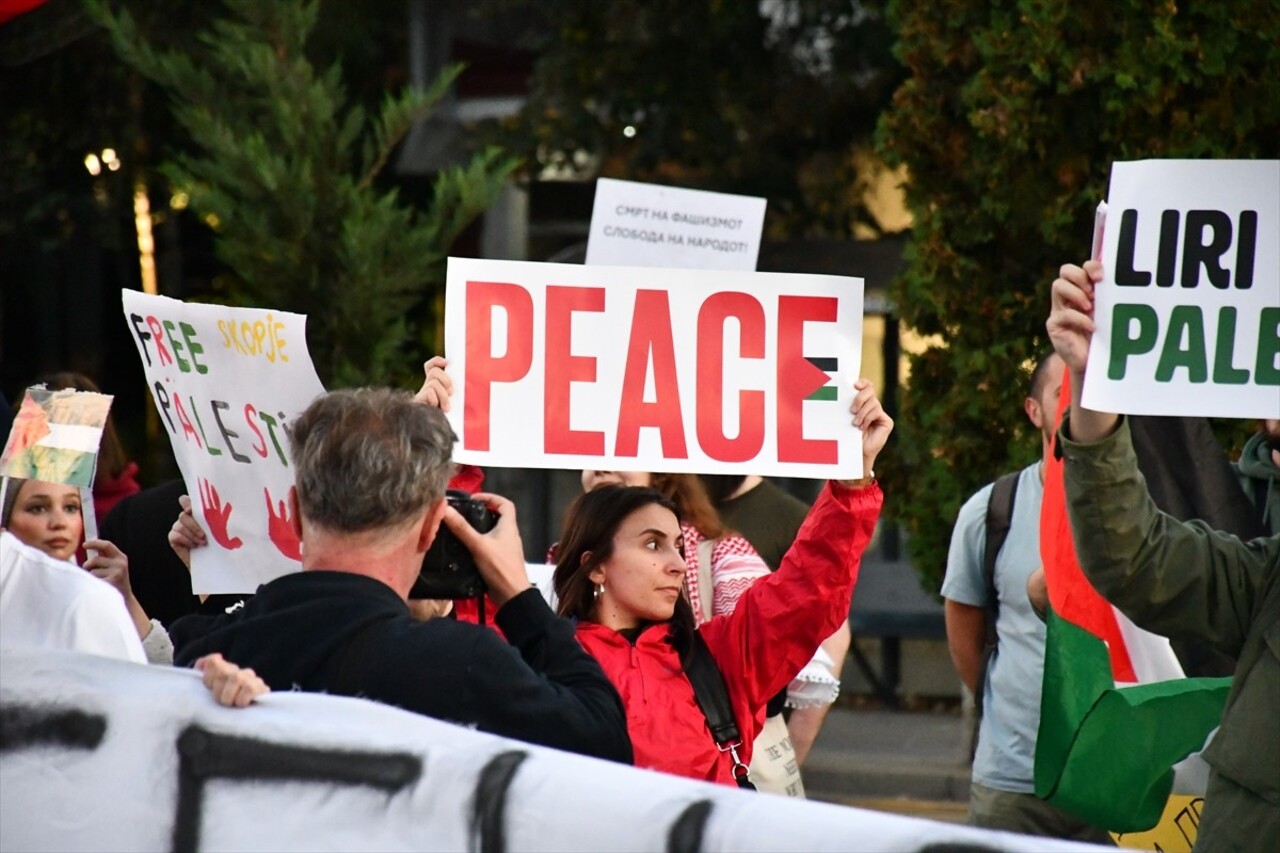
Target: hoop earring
{"points": [[599, 590]]}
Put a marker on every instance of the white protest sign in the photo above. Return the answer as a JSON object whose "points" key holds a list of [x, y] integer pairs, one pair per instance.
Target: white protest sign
{"points": [[226, 381], [646, 225], [620, 368], [101, 754], [1188, 311]]}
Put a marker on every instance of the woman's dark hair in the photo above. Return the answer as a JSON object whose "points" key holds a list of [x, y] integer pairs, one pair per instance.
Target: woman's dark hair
{"points": [[10, 499], [693, 504], [590, 524]]}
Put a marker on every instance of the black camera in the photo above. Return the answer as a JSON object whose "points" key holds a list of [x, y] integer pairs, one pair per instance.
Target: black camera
{"points": [[448, 569]]}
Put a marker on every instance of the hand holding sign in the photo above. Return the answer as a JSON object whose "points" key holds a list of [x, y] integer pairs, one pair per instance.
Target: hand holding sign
{"points": [[186, 533], [216, 514], [280, 529], [1070, 323], [437, 387], [108, 562], [869, 416], [1071, 327]]}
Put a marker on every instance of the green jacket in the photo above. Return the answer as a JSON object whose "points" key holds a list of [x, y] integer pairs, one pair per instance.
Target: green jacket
{"points": [[1185, 580], [1260, 479]]}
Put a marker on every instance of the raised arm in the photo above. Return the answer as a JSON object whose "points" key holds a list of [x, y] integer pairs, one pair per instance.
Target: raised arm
{"points": [[109, 563], [1182, 580], [782, 619], [1070, 328]]}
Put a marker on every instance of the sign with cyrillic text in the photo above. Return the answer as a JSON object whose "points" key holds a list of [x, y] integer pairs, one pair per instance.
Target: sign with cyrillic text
{"points": [[624, 368], [226, 381], [1188, 312], [646, 225]]}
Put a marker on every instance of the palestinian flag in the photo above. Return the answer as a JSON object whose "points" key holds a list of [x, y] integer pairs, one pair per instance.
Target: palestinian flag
{"points": [[830, 367], [1116, 710]]}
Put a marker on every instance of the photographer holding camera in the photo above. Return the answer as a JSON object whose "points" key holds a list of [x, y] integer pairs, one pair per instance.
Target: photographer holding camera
{"points": [[370, 472]]}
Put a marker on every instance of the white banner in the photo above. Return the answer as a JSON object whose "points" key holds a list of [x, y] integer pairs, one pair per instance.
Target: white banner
{"points": [[102, 754], [646, 225], [226, 381], [1188, 311], [623, 368]]}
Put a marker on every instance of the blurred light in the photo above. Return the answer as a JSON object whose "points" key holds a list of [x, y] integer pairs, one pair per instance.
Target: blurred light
{"points": [[113, 165], [179, 201], [629, 131], [212, 221], [146, 241], [108, 155], [93, 164]]}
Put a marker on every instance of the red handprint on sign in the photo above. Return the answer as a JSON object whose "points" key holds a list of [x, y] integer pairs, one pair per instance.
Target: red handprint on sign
{"points": [[280, 529], [216, 514]]}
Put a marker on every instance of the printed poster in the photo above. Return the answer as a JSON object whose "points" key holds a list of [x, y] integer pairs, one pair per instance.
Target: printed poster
{"points": [[650, 369], [1188, 311]]}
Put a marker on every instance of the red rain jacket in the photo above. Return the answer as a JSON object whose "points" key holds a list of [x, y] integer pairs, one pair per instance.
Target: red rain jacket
{"points": [[760, 647]]}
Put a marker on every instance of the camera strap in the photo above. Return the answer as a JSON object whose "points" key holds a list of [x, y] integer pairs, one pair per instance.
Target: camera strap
{"points": [[713, 698]]}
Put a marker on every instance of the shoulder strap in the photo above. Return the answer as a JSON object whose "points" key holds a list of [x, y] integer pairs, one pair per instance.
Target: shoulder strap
{"points": [[713, 698], [999, 518]]}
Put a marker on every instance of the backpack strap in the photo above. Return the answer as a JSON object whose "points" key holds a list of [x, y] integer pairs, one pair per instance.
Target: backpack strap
{"points": [[999, 518], [713, 698]]}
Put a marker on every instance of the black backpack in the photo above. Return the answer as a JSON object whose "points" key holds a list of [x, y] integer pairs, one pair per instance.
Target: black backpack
{"points": [[999, 519]]}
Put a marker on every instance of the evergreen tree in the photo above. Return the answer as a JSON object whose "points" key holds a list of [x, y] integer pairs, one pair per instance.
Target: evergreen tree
{"points": [[1008, 124], [284, 168], [771, 99]]}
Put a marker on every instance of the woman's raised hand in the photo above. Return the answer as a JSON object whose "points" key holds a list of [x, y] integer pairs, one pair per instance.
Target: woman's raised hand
{"points": [[870, 417]]}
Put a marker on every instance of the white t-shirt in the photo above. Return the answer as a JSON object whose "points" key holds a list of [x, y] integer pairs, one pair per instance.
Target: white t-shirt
{"points": [[1005, 757], [50, 603]]}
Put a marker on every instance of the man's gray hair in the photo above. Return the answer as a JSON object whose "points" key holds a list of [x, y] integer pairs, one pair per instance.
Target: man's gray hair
{"points": [[369, 458]]}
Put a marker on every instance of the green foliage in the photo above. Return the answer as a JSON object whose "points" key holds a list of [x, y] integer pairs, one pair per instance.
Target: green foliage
{"points": [[285, 169], [1008, 124], [763, 99]]}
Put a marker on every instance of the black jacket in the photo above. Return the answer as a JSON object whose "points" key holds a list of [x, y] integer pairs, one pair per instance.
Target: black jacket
{"points": [[347, 634]]}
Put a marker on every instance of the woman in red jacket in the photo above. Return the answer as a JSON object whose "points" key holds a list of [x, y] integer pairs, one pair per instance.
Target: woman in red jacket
{"points": [[620, 574]]}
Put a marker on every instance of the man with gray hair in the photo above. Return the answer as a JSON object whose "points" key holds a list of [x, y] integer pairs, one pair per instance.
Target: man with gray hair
{"points": [[370, 472]]}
